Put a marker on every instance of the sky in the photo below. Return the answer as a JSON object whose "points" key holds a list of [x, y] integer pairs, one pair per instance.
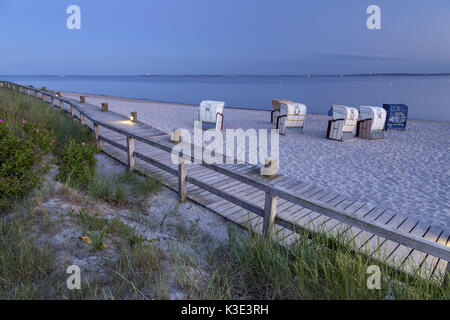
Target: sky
{"points": [[223, 37]]}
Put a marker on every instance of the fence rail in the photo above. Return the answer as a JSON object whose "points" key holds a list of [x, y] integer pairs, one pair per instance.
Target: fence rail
{"points": [[269, 186]]}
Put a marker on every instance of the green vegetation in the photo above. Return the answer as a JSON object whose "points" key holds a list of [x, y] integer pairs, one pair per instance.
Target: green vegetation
{"points": [[16, 107], [122, 189], [78, 163], [21, 163], [26, 269], [30, 271], [30, 129], [251, 267], [139, 266]]}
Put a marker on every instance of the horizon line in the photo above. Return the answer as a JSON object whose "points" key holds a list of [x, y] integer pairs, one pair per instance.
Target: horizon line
{"points": [[233, 75]]}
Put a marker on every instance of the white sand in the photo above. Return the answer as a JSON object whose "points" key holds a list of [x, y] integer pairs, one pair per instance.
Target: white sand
{"points": [[407, 171]]}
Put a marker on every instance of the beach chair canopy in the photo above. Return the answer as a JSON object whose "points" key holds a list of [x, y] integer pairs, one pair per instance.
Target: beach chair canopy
{"points": [[211, 112], [295, 114], [397, 116], [276, 103], [349, 114], [377, 114]]}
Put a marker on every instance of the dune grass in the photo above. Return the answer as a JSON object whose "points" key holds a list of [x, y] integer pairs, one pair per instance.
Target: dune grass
{"points": [[252, 267], [122, 189], [16, 107]]}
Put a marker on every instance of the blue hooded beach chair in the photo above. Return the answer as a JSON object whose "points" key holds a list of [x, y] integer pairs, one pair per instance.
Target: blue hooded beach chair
{"points": [[397, 116]]}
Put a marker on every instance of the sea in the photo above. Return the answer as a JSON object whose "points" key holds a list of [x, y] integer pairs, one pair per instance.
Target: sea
{"points": [[427, 96]]}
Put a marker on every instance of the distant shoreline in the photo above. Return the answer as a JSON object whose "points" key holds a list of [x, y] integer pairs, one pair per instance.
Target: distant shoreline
{"points": [[444, 74]]}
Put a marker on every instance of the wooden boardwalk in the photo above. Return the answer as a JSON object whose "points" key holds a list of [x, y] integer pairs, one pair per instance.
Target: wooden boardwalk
{"points": [[217, 188]]}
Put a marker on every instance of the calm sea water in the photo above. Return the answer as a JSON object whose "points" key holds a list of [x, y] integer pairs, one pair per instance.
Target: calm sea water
{"points": [[428, 97]]}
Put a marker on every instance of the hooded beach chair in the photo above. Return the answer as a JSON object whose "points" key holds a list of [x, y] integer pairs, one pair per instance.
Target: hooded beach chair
{"points": [[343, 125], [371, 123], [397, 116], [276, 103], [291, 118], [210, 114]]}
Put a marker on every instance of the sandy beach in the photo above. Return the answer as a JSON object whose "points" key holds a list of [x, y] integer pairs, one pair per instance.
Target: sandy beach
{"points": [[407, 171]]}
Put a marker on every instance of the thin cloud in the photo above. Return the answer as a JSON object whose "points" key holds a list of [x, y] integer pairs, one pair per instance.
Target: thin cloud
{"points": [[360, 56]]}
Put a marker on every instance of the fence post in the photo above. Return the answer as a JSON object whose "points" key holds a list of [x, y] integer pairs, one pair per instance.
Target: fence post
{"points": [[270, 212], [72, 110], [97, 135], [35, 93], [53, 101], [82, 99], [61, 104], [130, 145], [83, 119], [182, 182]]}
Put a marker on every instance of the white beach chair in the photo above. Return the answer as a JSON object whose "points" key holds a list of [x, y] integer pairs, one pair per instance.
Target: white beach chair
{"points": [[371, 123], [210, 114], [291, 118], [343, 125]]}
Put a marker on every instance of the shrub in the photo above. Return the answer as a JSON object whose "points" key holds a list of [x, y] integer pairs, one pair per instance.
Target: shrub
{"points": [[16, 107], [39, 135], [17, 173], [78, 164]]}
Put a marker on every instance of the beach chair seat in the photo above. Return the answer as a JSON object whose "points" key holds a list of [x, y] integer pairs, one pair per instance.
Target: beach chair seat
{"points": [[276, 103], [343, 125], [210, 114], [292, 118], [397, 116], [371, 123]]}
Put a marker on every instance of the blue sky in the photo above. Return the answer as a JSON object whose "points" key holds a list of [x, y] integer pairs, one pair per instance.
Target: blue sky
{"points": [[223, 37]]}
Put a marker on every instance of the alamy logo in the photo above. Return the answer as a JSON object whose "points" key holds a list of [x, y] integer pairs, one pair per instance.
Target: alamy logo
{"points": [[74, 280], [74, 20], [374, 20], [249, 146], [374, 280]]}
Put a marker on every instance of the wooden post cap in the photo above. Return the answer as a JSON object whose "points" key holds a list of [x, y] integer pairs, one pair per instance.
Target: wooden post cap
{"points": [[82, 99], [104, 107], [271, 167], [176, 135]]}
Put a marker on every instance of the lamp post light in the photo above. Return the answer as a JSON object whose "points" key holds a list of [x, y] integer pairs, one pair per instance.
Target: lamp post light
{"points": [[133, 116]]}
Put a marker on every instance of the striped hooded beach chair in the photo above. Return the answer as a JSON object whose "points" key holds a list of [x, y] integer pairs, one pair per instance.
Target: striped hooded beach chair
{"points": [[292, 118], [371, 123], [210, 114], [343, 125]]}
